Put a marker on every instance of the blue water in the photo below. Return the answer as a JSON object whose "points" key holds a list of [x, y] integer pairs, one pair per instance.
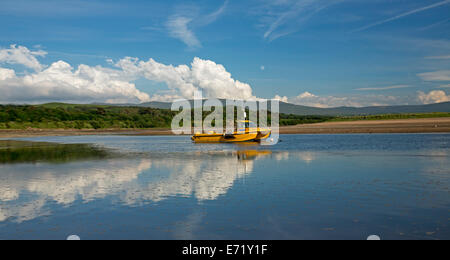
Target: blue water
{"points": [[306, 187]]}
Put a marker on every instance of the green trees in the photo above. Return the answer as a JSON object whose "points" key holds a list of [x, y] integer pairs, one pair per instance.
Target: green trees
{"points": [[286, 120], [82, 117]]}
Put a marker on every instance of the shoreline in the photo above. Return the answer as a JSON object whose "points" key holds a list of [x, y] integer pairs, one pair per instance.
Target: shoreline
{"points": [[425, 125], [399, 126]]}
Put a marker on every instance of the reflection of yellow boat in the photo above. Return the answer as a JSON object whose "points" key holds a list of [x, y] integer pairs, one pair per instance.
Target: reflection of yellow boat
{"points": [[247, 132], [251, 154]]}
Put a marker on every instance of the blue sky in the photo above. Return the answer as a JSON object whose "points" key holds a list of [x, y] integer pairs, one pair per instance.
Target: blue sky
{"points": [[312, 52]]}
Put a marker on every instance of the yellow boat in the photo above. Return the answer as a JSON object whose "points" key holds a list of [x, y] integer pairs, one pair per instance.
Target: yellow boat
{"points": [[248, 132]]}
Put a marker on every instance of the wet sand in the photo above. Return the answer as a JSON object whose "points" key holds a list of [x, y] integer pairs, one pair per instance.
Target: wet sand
{"points": [[426, 125]]}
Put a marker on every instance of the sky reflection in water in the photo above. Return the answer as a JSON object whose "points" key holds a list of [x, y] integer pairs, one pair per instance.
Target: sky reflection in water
{"points": [[307, 187]]}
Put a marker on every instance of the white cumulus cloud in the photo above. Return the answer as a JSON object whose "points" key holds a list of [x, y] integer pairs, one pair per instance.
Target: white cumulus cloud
{"points": [[203, 75], [6, 74], [22, 56], [61, 82], [309, 99], [86, 84], [312, 100], [435, 96], [306, 95], [282, 99]]}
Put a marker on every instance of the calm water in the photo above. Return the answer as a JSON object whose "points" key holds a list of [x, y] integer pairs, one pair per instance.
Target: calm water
{"points": [[306, 187]]}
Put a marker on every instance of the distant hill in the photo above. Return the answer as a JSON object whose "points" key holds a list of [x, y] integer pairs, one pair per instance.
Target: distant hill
{"points": [[287, 108], [153, 104], [160, 105], [352, 111]]}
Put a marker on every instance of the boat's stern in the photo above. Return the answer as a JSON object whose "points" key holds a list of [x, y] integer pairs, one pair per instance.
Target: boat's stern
{"points": [[263, 134]]}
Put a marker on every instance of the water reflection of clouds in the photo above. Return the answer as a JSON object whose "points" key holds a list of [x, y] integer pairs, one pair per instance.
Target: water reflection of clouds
{"points": [[437, 167], [186, 230], [402, 185], [307, 157], [38, 183], [437, 155], [25, 189], [206, 180], [282, 156]]}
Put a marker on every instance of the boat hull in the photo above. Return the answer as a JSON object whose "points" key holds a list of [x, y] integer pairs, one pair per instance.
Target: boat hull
{"points": [[263, 135], [220, 138]]}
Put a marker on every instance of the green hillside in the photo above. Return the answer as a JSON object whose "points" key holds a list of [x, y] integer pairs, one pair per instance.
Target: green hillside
{"points": [[287, 108], [68, 116], [72, 116]]}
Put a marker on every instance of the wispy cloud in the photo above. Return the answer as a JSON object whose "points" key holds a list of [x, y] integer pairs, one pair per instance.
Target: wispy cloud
{"points": [[65, 8], [178, 28], [212, 17], [444, 57], [442, 75], [151, 28], [181, 25], [293, 13], [434, 25], [384, 88], [402, 15]]}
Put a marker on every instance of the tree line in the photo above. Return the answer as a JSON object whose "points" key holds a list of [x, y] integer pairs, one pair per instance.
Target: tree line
{"points": [[66, 116]]}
